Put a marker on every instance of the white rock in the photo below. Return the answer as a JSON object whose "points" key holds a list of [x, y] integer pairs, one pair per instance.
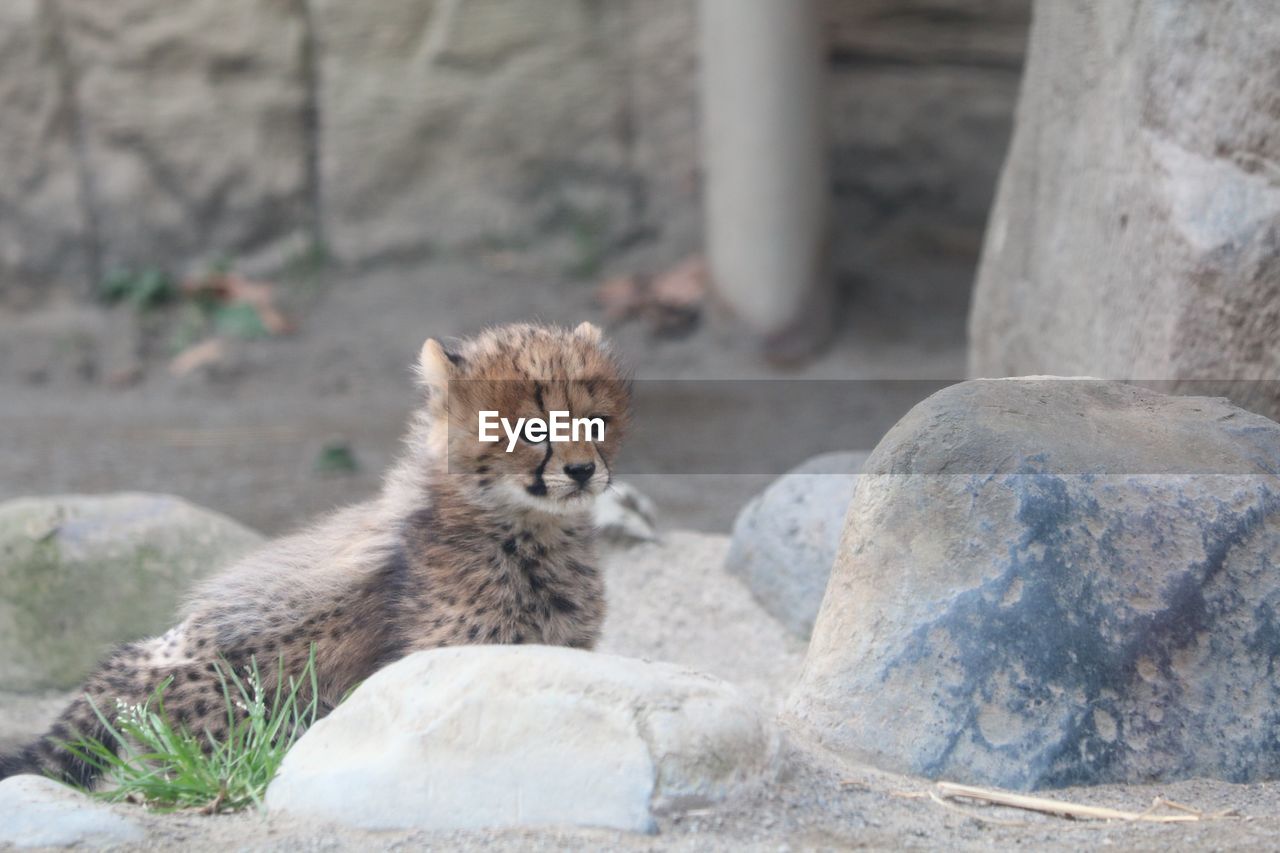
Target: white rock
{"points": [[623, 514], [39, 812], [502, 736]]}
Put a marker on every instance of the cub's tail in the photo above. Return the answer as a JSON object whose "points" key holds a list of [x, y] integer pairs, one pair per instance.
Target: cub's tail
{"points": [[116, 678], [47, 756], [12, 765]]}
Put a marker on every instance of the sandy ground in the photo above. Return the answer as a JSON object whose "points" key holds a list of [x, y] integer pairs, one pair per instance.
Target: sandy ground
{"points": [[691, 611], [243, 438]]}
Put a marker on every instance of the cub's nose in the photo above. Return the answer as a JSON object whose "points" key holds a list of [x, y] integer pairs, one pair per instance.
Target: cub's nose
{"points": [[580, 472]]}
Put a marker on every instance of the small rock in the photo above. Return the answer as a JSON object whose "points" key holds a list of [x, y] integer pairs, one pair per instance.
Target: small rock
{"points": [[39, 812], [502, 736], [79, 574], [624, 515], [785, 539], [1053, 582]]}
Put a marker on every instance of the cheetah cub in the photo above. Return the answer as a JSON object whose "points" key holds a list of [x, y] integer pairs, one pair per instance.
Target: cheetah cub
{"points": [[469, 541]]}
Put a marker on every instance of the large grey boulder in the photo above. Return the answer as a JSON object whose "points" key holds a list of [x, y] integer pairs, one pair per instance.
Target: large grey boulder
{"points": [[1052, 582], [39, 812], [81, 573], [500, 736], [785, 539], [1136, 231]]}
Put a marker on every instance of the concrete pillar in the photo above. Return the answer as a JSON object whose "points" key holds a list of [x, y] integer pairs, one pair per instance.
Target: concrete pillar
{"points": [[765, 158]]}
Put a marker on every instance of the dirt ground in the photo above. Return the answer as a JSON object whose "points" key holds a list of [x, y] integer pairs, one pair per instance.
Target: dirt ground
{"points": [[816, 802], [243, 437]]}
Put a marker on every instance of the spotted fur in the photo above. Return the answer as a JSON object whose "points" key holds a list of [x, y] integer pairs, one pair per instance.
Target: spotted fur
{"points": [[465, 544]]}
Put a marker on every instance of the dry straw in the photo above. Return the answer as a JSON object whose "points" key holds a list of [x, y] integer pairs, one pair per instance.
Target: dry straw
{"points": [[1060, 808]]}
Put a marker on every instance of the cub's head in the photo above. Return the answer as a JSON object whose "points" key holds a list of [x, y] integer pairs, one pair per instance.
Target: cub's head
{"points": [[528, 415]]}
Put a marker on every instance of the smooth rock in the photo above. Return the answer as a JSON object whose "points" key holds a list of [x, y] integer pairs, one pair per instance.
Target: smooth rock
{"points": [[1136, 231], [1057, 582], [625, 515], [80, 573], [501, 736], [785, 539], [39, 812]]}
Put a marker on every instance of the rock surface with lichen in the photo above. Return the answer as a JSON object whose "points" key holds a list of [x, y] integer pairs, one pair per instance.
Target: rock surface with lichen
{"points": [[81, 573], [1051, 582]]}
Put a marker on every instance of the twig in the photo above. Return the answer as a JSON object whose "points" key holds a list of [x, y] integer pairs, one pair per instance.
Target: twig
{"points": [[1063, 809], [212, 807], [971, 813], [1218, 815]]}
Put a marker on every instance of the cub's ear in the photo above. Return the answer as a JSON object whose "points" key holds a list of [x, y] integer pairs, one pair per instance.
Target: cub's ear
{"points": [[588, 332], [436, 365]]}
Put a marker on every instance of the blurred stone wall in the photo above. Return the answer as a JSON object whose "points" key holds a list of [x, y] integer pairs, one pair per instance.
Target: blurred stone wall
{"points": [[140, 133], [923, 94]]}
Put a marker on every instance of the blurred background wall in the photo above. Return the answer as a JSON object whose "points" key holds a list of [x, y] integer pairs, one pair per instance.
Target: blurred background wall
{"points": [[559, 133]]}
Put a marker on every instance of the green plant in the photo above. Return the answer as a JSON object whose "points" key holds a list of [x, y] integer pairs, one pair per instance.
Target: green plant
{"points": [[336, 457], [239, 320], [590, 241], [164, 765], [141, 289]]}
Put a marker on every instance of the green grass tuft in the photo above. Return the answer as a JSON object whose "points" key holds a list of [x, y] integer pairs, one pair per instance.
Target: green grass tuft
{"points": [[142, 289], [336, 457], [168, 767]]}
